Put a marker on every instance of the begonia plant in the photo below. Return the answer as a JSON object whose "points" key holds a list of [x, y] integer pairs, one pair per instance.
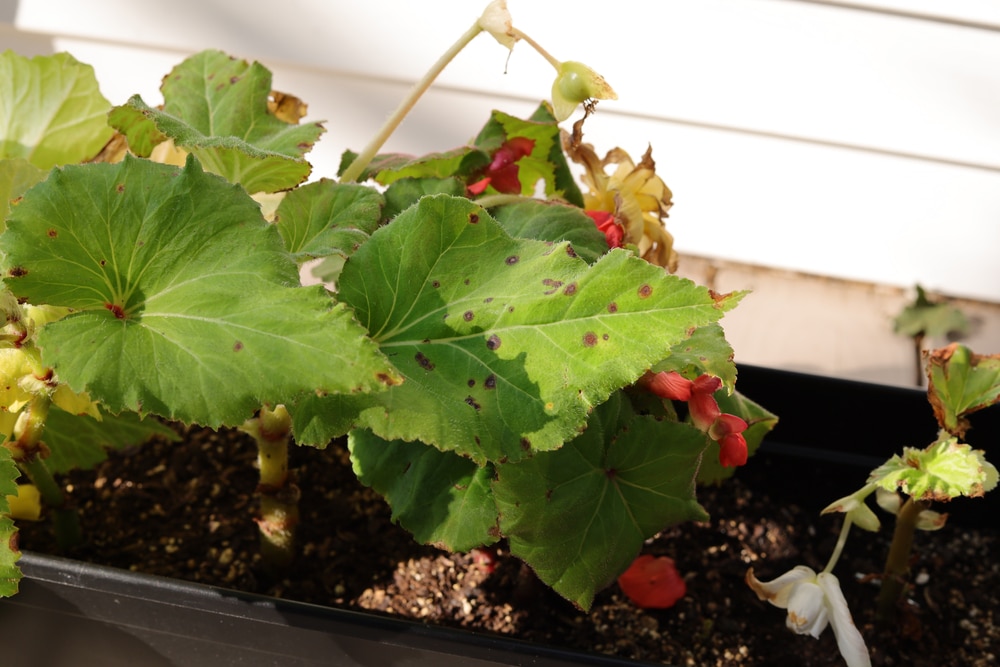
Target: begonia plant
{"points": [[489, 337]]}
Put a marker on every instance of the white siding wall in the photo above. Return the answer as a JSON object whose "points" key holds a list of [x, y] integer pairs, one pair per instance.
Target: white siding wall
{"points": [[855, 140]]}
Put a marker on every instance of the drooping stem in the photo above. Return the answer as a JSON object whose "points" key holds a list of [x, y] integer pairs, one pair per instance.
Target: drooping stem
{"points": [[897, 564], [841, 541], [278, 495], [537, 47], [364, 158]]}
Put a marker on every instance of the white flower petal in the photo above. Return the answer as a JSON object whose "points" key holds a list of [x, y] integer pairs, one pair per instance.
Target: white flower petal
{"points": [[779, 590], [496, 20], [807, 612], [849, 640]]}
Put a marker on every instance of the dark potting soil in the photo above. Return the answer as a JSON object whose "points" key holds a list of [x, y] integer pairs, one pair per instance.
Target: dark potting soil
{"points": [[185, 510]]}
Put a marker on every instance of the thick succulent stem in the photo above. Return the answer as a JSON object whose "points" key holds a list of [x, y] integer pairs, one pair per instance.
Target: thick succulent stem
{"points": [[897, 564], [278, 495]]}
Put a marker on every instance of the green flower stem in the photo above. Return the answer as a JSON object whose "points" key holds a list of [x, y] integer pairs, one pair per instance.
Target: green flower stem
{"points": [[897, 564], [364, 158], [537, 47], [279, 498], [841, 541]]}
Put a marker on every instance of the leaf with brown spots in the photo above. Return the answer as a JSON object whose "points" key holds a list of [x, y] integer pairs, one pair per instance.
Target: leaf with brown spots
{"points": [[553, 354], [10, 574]]}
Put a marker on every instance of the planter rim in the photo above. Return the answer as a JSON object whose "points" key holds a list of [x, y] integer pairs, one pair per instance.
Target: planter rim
{"points": [[243, 628]]}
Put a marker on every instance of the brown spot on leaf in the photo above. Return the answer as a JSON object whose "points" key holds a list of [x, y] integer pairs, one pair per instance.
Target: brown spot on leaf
{"points": [[17, 272], [471, 382], [606, 337], [435, 284], [471, 401], [234, 79], [570, 251], [525, 444], [52, 233], [612, 307], [589, 339], [554, 284], [645, 291], [611, 473], [570, 289], [493, 342], [237, 346], [491, 381], [424, 362], [386, 379], [120, 188], [473, 218], [488, 299], [512, 260], [468, 315], [103, 262]]}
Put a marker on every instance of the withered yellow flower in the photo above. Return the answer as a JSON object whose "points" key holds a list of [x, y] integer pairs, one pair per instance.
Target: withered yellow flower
{"points": [[633, 193]]}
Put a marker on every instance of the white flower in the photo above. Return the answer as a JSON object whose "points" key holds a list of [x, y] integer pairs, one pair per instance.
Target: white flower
{"points": [[496, 21], [814, 601]]}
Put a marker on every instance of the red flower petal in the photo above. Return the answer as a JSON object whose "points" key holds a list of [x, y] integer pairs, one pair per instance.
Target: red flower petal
{"points": [[726, 424], [606, 223], [707, 384], [704, 409], [653, 582], [733, 450], [669, 385]]}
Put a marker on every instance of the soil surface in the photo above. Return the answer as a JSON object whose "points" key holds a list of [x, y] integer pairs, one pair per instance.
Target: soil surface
{"points": [[185, 510]]}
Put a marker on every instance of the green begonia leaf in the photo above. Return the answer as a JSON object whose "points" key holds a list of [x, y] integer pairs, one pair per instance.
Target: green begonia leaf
{"points": [[80, 442], [945, 470], [215, 106], [552, 221], [705, 351], [442, 498], [959, 383], [10, 574], [16, 176], [51, 110], [186, 303], [578, 516], [505, 344], [326, 218], [924, 317], [458, 162], [406, 192]]}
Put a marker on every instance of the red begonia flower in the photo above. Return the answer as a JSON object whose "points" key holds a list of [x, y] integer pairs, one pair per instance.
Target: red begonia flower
{"points": [[502, 173], [653, 582], [613, 232], [669, 385], [724, 428], [733, 450]]}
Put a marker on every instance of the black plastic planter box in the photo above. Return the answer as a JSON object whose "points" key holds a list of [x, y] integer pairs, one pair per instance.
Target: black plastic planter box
{"points": [[74, 614]]}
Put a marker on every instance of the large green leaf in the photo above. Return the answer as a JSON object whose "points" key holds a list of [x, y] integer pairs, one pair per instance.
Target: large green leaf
{"points": [[16, 176], [326, 218], [215, 106], [51, 110], [10, 574], [578, 516], [81, 442], [186, 302], [442, 498], [553, 221], [505, 344]]}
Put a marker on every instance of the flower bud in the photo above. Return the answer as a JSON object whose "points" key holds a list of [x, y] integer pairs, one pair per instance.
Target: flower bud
{"points": [[575, 84]]}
